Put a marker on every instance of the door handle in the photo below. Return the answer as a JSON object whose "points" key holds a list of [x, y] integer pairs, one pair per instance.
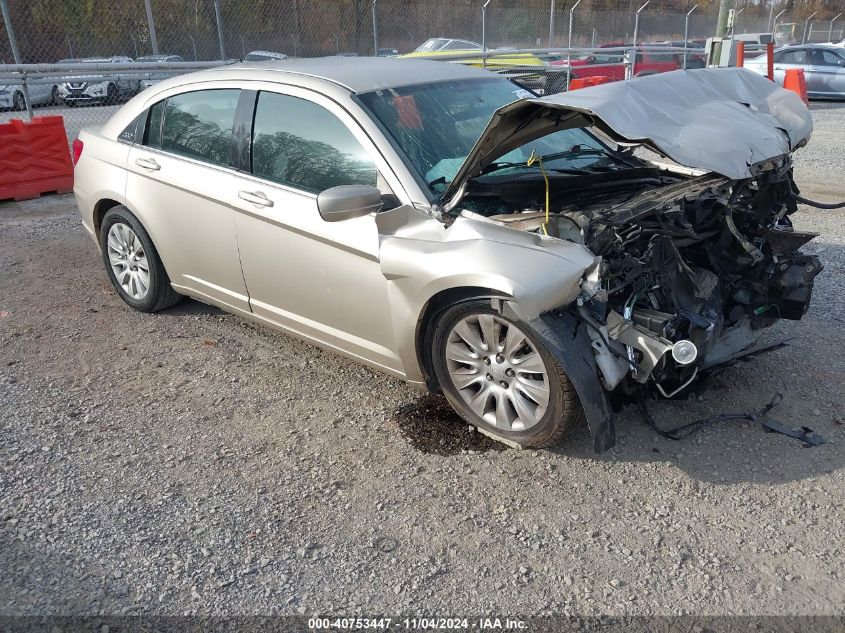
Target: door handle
{"points": [[148, 163], [255, 197]]}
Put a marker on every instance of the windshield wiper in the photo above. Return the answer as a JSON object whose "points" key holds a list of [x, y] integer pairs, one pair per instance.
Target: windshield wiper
{"points": [[562, 170], [586, 150]]}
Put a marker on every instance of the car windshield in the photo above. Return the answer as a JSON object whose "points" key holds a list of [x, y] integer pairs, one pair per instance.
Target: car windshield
{"points": [[431, 45], [437, 124]]}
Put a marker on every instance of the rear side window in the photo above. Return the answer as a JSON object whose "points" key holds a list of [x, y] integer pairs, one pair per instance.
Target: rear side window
{"points": [[152, 134], [196, 124], [129, 133], [303, 145]]}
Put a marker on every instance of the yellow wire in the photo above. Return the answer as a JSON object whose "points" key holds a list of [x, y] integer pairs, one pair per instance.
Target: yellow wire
{"points": [[537, 159]]}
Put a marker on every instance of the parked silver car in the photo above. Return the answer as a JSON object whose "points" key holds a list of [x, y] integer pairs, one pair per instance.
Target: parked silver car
{"points": [[421, 218], [12, 94], [823, 66], [153, 77]]}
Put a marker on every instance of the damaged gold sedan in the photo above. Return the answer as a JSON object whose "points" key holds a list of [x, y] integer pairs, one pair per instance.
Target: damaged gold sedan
{"points": [[451, 229]]}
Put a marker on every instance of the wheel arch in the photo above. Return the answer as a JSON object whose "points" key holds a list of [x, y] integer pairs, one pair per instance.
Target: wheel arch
{"points": [[100, 209], [105, 204], [432, 309]]}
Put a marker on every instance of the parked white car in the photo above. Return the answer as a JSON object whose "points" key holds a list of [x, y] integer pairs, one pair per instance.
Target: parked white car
{"points": [[92, 88], [12, 95]]}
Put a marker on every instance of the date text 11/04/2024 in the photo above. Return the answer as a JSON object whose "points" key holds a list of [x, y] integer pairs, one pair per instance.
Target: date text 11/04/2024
{"points": [[417, 623]]}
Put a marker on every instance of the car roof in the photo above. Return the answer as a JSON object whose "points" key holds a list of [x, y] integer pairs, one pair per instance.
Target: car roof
{"points": [[808, 45], [358, 74], [264, 53], [145, 57]]}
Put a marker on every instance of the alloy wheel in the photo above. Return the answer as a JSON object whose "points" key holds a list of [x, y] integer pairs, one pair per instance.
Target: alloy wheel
{"points": [[128, 261], [498, 372]]}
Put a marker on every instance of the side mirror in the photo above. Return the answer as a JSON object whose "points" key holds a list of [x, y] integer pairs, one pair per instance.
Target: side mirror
{"points": [[348, 201]]}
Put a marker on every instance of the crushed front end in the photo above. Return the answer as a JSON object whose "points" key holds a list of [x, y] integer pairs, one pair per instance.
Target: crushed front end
{"points": [[693, 258], [690, 276]]}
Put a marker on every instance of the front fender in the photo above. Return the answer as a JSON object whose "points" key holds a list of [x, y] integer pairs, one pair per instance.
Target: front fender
{"points": [[566, 337], [420, 257]]}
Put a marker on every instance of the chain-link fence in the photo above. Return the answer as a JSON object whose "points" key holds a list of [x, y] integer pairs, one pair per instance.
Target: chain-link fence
{"points": [[186, 31]]}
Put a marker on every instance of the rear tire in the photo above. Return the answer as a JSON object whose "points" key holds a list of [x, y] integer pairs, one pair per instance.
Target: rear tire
{"points": [[18, 102], [133, 264], [500, 378]]}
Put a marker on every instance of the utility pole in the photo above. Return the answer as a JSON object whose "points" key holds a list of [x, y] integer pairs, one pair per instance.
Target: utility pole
{"points": [[725, 7], [375, 30], [219, 17], [152, 27]]}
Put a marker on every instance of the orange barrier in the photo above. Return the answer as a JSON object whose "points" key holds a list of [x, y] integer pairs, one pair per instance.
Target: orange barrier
{"points": [[740, 54], [34, 158], [795, 81], [585, 82]]}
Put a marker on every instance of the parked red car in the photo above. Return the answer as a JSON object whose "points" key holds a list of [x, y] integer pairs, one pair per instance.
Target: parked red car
{"points": [[648, 62]]}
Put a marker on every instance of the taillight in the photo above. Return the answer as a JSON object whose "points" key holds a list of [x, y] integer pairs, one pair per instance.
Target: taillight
{"points": [[77, 150]]}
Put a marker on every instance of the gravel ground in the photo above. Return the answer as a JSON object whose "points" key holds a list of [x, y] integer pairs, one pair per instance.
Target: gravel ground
{"points": [[190, 462]]}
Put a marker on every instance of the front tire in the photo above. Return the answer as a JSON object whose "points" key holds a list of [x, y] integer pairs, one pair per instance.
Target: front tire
{"points": [[18, 102], [500, 378], [111, 94], [133, 264]]}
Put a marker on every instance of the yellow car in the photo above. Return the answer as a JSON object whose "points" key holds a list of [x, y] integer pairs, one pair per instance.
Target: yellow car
{"points": [[524, 68]]}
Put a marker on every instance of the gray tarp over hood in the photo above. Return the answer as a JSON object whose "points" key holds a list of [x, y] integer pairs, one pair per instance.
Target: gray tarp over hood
{"points": [[718, 119]]}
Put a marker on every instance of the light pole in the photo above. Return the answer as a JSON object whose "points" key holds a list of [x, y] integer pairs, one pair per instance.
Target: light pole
{"points": [[686, 33], [736, 20], [830, 31], [569, 45], [807, 24], [484, 33], [637, 21], [775, 25], [16, 54], [551, 23]]}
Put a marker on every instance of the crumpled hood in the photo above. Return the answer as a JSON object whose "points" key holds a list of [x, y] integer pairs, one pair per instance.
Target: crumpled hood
{"points": [[724, 120]]}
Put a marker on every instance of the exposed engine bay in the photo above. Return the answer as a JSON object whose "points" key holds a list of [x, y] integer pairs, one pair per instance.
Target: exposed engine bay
{"points": [[690, 268]]}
